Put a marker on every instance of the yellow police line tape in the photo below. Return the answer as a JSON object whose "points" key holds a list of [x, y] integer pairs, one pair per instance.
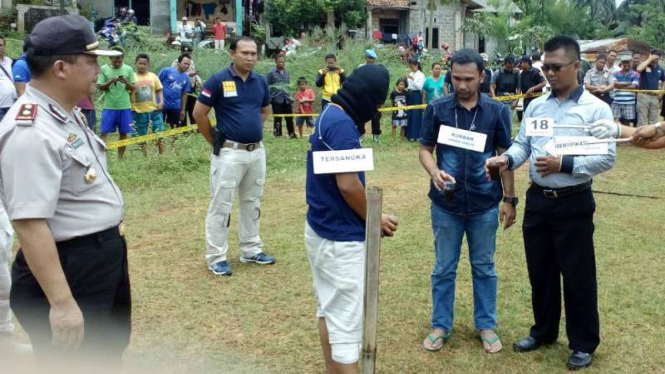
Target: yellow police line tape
{"points": [[179, 130], [411, 107], [654, 92], [146, 138]]}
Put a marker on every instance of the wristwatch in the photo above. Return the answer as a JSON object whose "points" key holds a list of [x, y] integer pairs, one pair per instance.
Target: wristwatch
{"points": [[659, 128], [511, 200]]}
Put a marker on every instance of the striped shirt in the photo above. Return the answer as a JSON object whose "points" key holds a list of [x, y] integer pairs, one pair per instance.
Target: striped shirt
{"points": [[624, 97]]}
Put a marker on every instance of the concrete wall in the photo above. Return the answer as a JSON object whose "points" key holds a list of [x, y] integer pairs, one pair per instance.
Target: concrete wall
{"points": [[6, 4], [160, 16], [447, 18]]}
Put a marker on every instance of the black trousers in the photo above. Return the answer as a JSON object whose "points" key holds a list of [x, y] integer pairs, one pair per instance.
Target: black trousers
{"points": [[283, 108], [96, 270], [189, 109], [558, 238], [525, 104]]}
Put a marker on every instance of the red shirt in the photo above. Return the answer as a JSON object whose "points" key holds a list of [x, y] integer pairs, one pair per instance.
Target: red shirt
{"points": [[86, 103], [219, 30], [305, 107]]}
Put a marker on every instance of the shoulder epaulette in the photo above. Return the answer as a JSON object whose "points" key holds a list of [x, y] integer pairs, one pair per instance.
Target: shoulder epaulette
{"points": [[26, 114]]}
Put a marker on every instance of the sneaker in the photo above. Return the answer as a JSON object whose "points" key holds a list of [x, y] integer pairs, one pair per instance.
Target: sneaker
{"points": [[261, 258], [221, 268]]}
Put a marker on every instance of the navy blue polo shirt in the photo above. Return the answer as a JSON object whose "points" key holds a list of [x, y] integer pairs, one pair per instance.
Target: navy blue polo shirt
{"points": [[329, 215], [651, 80], [473, 192], [237, 103]]}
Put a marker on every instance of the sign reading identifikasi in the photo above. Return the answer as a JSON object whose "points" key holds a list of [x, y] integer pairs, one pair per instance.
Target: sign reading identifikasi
{"points": [[347, 161], [579, 145], [471, 140]]}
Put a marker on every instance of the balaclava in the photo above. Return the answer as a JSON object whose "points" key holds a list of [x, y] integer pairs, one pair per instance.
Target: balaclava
{"points": [[363, 91]]}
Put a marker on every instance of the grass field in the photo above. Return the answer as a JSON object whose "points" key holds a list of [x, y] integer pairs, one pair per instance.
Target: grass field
{"points": [[261, 320]]}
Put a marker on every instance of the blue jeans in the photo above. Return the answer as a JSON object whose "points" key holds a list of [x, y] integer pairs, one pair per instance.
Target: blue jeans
{"points": [[480, 231]]}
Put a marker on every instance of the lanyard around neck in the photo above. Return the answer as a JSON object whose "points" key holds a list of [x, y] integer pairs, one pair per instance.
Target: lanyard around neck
{"points": [[473, 121]]}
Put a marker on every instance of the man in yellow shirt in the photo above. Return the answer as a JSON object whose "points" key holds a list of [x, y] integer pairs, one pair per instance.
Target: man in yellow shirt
{"points": [[146, 108]]}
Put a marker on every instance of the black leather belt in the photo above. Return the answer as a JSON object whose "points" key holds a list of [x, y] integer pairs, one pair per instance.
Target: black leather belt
{"points": [[91, 239], [555, 193], [245, 147]]}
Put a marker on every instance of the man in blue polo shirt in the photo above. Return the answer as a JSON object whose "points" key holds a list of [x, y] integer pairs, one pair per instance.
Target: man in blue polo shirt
{"points": [[652, 78], [471, 202], [335, 227], [242, 103]]}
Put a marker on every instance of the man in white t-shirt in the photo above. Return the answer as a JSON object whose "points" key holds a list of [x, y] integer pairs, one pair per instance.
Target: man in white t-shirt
{"points": [[185, 31], [7, 89]]}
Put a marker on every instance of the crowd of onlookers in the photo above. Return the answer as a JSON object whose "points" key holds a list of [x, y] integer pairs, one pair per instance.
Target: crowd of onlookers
{"points": [[135, 98]]}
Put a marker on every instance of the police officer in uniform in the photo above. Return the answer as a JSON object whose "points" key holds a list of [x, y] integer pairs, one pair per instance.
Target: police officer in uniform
{"points": [[70, 285], [241, 100]]}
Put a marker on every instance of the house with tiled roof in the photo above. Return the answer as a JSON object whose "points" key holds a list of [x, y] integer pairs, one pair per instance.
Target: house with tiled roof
{"points": [[408, 17]]}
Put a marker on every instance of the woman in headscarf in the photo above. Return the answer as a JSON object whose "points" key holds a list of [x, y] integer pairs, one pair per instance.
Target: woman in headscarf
{"points": [[414, 96]]}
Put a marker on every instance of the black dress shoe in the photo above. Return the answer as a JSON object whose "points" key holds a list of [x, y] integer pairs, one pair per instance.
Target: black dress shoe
{"points": [[579, 360], [527, 344]]}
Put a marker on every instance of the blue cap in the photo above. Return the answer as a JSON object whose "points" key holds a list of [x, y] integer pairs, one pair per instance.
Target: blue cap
{"points": [[370, 53]]}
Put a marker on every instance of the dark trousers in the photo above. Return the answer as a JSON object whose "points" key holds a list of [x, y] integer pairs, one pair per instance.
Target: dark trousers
{"points": [[189, 109], [558, 238], [525, 104], [283, 108], [96, 270]]}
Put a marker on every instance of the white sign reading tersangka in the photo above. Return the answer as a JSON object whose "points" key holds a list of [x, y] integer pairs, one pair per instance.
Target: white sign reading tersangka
{"points": [[474, 141], [347, 161], [579, 145]]}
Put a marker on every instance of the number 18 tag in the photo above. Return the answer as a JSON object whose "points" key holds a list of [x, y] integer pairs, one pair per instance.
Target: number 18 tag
{"points": [[538, 126]]}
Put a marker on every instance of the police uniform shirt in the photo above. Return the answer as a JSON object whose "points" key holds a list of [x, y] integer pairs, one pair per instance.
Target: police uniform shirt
{"points": [[237, 103], [53, 167]]}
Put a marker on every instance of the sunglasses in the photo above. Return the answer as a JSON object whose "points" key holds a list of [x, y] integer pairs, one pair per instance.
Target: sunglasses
{"points": [[555, 67]]}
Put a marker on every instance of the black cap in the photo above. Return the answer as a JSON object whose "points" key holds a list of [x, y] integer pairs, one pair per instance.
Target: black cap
{"points": [[65, 35]]}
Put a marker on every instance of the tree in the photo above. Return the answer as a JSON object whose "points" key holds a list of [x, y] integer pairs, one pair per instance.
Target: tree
{"points": [[288, 16], [647, 20], [597, 10], [499, 25]]}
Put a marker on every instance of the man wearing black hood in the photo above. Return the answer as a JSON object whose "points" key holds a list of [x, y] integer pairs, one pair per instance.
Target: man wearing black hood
{"points": [[335, 228]]}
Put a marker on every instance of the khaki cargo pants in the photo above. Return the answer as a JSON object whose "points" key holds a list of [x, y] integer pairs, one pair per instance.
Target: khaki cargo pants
{"points": [[244, 172], [647, 109]]}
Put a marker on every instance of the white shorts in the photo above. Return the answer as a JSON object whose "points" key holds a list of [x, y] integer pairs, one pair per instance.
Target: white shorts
{"points": [[338, 270]]}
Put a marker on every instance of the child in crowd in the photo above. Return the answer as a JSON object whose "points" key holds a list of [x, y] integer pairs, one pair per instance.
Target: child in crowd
{"points": [[305, 100], [147, 89], [398, 98]]}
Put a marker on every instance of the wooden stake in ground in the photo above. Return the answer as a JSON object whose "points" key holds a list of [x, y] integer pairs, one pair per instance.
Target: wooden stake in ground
{"points": [[371, 301]]}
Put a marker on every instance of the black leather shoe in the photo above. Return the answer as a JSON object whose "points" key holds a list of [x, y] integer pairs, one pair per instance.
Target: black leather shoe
{"points": [[579, 360], [527, 344]]}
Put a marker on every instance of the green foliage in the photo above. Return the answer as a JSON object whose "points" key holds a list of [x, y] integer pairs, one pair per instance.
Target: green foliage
{"points": [[288, 16], [647, 20], [7, 17]]}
